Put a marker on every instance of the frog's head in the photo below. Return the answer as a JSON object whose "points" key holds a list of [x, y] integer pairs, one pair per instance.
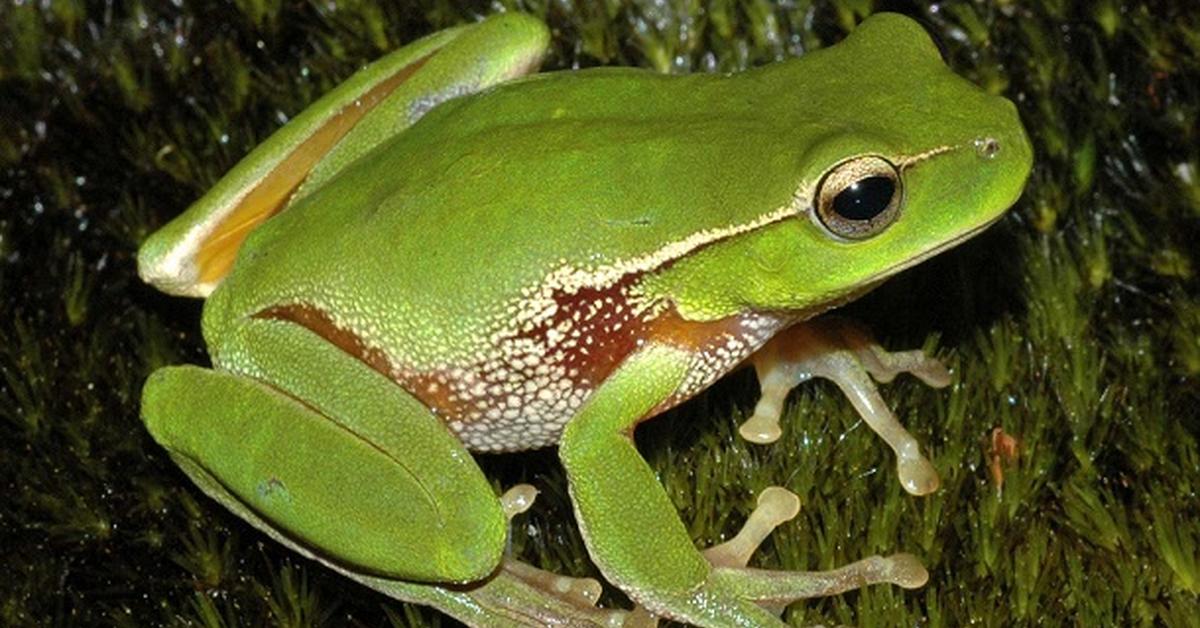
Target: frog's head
{"points": [[907, 160]]}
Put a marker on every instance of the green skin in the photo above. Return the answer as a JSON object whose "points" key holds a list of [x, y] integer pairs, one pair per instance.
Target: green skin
{"points": [[420, 255]]}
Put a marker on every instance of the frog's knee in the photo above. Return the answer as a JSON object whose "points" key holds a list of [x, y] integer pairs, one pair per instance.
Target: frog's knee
{"points": [[466, 546], [417, 535], [463, 562]]}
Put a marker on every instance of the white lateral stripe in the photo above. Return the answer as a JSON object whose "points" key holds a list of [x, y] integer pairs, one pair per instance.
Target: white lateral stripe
{"points": [[571, 279]]}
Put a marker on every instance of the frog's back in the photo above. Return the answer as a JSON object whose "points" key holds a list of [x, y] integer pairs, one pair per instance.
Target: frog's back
{"points": [[446, 228], [473, 258]]}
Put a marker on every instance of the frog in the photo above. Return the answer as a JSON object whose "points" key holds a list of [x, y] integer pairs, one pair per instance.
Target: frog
{"points": [[451, 254]]}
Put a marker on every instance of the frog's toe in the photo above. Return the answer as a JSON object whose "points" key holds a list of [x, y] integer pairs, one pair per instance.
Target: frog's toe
{"points": [[776, 505], [517, 500], [885, 365], [904, 570], [931, 371], [776, 378], [776, 589], [917, 475], [578, 591], [762, 428]]}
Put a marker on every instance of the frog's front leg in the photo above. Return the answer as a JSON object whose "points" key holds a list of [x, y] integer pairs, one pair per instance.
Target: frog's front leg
{"points": [[332, 459], [841, 351], [635, 536]]}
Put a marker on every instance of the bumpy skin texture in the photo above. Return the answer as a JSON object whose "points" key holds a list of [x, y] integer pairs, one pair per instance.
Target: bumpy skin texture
{"points": [[552, 261]]}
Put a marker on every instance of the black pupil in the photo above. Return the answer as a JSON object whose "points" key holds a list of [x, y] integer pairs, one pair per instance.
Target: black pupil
{"points": [[865, 198]]}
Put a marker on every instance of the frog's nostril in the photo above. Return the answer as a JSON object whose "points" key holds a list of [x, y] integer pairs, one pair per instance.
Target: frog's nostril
{"points": [[987, 147]]}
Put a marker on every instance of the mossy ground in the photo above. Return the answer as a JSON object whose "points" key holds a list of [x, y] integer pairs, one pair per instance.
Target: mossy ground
{"points": [[1072, 325]]}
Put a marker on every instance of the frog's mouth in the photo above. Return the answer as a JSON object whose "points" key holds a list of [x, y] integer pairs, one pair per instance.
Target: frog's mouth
{"points": [[937, 250]]}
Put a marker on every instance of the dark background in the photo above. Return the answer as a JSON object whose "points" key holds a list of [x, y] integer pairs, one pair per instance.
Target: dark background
{"points": [[1071, 325]]}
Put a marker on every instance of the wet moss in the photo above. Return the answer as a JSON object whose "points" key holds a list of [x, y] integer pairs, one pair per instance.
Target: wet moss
{"points": [[1072, 325]]}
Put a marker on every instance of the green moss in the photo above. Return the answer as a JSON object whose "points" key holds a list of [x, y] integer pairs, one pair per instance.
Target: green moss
{"points": [[1073, 325]]}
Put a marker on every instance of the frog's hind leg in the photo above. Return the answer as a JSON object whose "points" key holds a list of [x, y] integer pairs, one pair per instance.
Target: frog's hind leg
{"points": [[841, 351], [776, 589], [332, 459], [636, 538], [517, 593]]}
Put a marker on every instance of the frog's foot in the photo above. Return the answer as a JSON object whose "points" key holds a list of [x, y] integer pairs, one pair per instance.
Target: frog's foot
{"points": [[842, 352], [776, 505], [774, 590], [578, 592]]}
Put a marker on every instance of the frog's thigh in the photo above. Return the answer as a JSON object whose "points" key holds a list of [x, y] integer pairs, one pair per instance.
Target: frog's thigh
{"points": [[335, 455]]}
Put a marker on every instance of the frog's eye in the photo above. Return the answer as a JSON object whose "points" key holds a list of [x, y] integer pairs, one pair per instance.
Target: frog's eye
{"points": [[859, 197]]}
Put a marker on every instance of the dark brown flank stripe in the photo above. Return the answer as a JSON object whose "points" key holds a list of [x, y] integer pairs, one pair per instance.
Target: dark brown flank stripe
{"points": [[319, 322], [613, 328]]}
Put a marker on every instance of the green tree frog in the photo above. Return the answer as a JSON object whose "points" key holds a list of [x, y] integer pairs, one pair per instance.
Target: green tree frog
{"points": [[449, 254]]}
